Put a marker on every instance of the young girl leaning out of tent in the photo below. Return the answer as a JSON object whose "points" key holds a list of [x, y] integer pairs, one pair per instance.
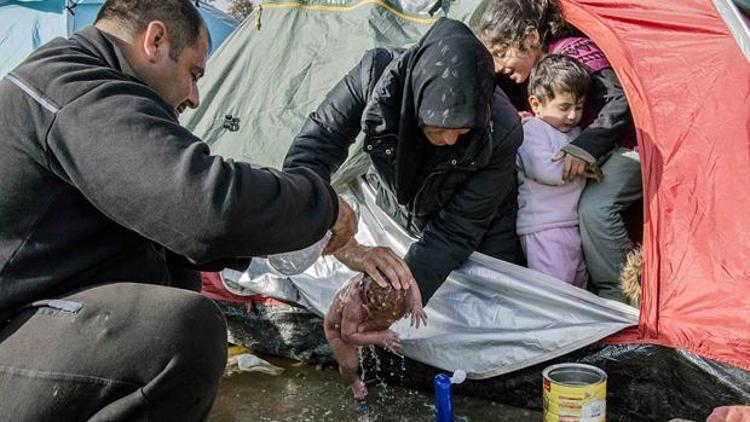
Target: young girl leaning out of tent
{"points": [[518, 33], [547, 205]]}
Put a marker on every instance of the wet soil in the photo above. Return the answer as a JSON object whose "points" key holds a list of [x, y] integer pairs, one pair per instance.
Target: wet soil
{"points": [[306, 394]]}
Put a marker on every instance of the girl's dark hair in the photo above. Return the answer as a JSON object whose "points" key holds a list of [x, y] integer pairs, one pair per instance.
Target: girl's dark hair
{"points": [[181, 18], [558, 73], [505, 22]]}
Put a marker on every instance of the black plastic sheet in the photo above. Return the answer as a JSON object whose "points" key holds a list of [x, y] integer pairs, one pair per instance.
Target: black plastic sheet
{"points": [[645, 382]]}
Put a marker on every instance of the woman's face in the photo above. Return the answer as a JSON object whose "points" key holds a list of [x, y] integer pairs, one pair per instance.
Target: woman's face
{"points": [[440, 136]]}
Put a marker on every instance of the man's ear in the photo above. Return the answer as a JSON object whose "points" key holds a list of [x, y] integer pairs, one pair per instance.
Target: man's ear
{"points": [[155, 42], [535, 103]]}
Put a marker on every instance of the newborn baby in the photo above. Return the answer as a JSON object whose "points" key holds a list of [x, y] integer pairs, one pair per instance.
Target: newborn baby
{"points": [[361, 314]]}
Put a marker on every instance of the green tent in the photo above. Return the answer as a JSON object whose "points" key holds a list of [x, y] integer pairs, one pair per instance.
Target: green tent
{"points": [[280, 63]]}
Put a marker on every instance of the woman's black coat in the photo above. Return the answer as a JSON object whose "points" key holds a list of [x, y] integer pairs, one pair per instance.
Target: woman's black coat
{"points": [[458, 198]]}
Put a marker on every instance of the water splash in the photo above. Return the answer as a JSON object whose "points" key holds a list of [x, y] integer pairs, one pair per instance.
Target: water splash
{"points": [[361, 357], [403, 368], [378, 367]]}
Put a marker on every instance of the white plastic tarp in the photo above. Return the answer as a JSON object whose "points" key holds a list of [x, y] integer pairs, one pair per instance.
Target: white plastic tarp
{"points": [[489, 318]]}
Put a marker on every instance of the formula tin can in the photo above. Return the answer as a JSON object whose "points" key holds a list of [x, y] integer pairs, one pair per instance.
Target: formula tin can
{"points": [[574, 392]]}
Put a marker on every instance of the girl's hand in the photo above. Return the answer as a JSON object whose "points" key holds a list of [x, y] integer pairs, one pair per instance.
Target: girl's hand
{"points": [[525, 115], [573, 167]]}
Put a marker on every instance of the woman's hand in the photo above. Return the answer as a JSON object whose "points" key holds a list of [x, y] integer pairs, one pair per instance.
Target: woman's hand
{"points": [[377, 261]]}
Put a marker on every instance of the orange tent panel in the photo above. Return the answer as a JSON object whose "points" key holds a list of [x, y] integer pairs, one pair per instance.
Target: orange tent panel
{"points": [[688, 85]]}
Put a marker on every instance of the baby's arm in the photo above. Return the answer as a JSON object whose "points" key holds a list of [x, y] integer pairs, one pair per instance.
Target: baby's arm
{"points": [[332, 320], [415, 306], [535, 155], [353, 317]]}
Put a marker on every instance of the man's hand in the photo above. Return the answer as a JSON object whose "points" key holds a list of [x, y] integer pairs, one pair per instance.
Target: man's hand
{"points": [[343, 229], [376, 261], [574, 167]]}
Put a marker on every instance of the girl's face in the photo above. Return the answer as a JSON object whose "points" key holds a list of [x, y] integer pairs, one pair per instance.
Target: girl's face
{"points": [[515, 62]]}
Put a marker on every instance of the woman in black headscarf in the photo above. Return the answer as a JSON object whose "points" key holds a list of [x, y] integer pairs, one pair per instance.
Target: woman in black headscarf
{"points": [[443, 143]]}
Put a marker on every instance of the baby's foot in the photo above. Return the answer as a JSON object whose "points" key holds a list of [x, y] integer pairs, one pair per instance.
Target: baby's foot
{"points": [[359, 389]]}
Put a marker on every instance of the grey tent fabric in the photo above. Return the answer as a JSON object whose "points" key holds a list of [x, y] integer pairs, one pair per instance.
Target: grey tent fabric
{"points": [[280, 63]]}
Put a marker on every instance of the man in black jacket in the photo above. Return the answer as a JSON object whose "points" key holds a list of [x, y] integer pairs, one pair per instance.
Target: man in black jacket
{"points": [[101, 188], [443, 148]]}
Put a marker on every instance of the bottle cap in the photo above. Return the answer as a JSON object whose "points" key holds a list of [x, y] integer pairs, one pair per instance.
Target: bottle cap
{"points": [[458, 377]]}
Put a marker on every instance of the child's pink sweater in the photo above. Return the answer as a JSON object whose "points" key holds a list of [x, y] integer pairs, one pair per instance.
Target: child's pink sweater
{"points": [[545, 201]]}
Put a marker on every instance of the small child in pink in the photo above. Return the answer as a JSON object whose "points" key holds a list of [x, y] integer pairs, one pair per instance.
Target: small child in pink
{"points": [[547, 205]]}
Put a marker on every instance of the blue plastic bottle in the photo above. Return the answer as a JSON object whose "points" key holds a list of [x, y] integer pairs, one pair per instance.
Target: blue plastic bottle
{"points": [[444, 395], [443, 398]]}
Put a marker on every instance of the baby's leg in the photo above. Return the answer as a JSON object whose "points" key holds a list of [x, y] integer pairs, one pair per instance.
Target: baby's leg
{"points": [[346, 355]]}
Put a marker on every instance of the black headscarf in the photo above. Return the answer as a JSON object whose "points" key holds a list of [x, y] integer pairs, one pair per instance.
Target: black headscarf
{"points": [[446, 80]]}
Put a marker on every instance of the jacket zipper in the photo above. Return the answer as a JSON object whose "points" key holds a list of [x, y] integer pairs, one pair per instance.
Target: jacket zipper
{"points": [[441, 170]]}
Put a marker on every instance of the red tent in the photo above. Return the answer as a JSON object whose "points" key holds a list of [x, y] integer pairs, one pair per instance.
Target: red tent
{"points": [[687, 80]]}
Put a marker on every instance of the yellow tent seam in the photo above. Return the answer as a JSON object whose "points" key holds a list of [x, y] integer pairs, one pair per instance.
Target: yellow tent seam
{"points": [[384, 5]]}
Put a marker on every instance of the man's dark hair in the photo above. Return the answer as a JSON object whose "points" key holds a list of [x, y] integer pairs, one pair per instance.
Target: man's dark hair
{"points": [[181, 18], [558, 73]]}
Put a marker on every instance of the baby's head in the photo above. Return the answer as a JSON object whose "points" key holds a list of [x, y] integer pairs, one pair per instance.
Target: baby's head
{"points": [[557, 89], [384, 303]]}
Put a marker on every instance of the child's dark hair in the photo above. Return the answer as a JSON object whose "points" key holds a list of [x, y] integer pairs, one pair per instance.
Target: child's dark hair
{"points": [[558, 73], [385, 301], [505, 22]]}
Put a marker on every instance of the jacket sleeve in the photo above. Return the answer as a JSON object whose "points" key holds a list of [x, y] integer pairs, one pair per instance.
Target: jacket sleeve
{"points": [[324, 140], [535, 153], [610, 124], [459, 227], [120, 146], [179, 261]]}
